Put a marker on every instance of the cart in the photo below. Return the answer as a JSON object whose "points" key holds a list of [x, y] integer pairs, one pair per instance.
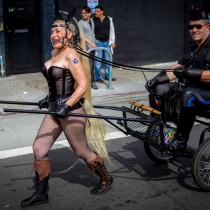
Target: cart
{"points": [[144, 123], [150, 124]]}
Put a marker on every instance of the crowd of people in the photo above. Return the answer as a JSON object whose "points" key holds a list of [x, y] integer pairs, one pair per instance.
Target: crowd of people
{"points": [[99, 32]]}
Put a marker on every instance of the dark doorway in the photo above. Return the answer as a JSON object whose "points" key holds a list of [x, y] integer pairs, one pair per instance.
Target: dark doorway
{"points": [[22, 36]]}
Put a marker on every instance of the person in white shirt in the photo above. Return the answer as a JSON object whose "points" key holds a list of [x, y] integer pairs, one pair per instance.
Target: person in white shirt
{"points": [[86, 25]]}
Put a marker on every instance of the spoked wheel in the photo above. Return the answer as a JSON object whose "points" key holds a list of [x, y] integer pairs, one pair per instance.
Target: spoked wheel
{"points": [[201, 165], [157, 156]]}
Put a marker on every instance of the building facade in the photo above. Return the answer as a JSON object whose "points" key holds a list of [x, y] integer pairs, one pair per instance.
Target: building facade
{"points": [[24, 41], [146, 31]]}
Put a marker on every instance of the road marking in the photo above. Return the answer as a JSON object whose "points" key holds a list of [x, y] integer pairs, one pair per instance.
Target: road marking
{"points": [[57, 145]]}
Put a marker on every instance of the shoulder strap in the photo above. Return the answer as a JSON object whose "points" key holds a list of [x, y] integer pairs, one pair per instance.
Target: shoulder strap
{"points": [[198, 51], [202, 46]]}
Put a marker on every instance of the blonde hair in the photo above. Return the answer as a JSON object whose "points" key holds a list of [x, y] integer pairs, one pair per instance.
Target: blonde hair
{"points": [[96, 132], [85, 63], [95, 128]]}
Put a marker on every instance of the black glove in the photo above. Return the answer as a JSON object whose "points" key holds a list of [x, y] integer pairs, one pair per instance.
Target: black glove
{"points": [[62, 111], [43, 103], [186, 73], [161, 78]]}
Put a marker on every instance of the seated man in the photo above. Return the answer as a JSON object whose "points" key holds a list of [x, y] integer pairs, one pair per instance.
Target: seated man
{"points": [[194, 69]]}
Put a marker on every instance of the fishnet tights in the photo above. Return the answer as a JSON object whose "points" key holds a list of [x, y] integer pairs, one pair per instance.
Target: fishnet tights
{"points": [[74, 130]]}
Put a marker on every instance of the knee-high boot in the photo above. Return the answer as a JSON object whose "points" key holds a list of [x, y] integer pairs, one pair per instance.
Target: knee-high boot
{"points": [[184, 126], [42, 171], [97, 166]]}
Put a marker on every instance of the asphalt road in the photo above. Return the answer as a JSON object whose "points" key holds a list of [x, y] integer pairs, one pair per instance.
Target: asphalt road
{"points": [[139, 183]]}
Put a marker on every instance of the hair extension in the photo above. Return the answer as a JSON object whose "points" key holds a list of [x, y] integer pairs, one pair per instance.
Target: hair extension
{"points": [[95, 128], [85, 63], [96, 132]]}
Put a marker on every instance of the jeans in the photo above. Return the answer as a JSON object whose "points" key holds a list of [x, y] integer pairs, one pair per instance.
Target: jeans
{"points": [[92, 70], [102, 54]]}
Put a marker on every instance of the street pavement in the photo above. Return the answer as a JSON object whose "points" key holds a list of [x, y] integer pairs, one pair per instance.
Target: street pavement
{"points": [[139, 183]]}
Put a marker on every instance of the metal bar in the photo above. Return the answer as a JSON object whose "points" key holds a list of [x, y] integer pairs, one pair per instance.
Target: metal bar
{"points": [[36, 104], [110, 66], [202, 122], [126, 133], [79, 115], [108, 107], [19, 102], [2, 64]]}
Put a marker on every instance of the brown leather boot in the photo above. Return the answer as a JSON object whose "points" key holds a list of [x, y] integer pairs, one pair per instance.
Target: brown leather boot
{"points": [[97, 166], [42, 170]]}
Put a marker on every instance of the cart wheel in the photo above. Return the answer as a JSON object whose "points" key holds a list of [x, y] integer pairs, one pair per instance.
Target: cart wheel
{"points": [[156, 155], [201, 165]]}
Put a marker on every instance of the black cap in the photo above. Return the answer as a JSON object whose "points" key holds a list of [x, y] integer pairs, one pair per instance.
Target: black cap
{"points": [[198, 14]]}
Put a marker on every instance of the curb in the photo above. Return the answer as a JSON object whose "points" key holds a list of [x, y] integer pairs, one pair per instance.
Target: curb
{"points": [[120, 97]]}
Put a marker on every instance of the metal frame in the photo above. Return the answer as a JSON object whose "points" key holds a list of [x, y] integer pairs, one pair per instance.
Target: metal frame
{"points": [[110, 67], [127, 131], [2, 69]]}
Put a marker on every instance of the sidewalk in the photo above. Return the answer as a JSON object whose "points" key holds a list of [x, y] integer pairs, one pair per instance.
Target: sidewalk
{"points": [[32, 87]]}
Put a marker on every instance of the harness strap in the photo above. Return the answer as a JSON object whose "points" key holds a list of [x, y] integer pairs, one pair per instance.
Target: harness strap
{"points": [[198, 50]]}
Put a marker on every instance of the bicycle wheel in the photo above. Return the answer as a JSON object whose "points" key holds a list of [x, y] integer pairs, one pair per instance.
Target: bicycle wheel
{"points": [[201, 165], [157, 156]]}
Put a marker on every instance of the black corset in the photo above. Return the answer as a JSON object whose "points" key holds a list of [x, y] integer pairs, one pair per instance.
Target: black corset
{"points": [[60, 83]]}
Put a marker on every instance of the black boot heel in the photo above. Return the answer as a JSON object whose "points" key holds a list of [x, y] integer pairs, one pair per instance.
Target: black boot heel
{"points": [[102, 188], [97, 166]]}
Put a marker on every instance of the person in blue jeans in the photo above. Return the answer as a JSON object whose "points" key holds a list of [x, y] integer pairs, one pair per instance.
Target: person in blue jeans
{"points": [[105, 37]]}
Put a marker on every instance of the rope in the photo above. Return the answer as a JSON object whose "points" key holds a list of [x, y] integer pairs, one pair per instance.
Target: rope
{"points": [[114, 64], [61, 172]]}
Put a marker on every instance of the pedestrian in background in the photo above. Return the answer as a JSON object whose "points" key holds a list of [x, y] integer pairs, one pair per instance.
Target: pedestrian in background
{"points": [[105, 37], [87, 27]]}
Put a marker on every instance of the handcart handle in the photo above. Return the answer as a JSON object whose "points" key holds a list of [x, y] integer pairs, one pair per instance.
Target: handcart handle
{"points": [[18, 102], [80, 115], [144, 107]]}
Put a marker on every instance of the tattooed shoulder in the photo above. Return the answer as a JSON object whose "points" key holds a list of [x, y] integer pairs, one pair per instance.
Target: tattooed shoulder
{"points": [[75, 60]]}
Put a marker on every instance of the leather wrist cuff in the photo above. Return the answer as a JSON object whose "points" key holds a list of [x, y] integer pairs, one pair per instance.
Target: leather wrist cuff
{"points": [[66, 106], [162, 78], [75, 106], [194, 74]]}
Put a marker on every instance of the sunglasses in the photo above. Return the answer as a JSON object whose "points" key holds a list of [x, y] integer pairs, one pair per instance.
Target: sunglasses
{"points": [[198, 26]]}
